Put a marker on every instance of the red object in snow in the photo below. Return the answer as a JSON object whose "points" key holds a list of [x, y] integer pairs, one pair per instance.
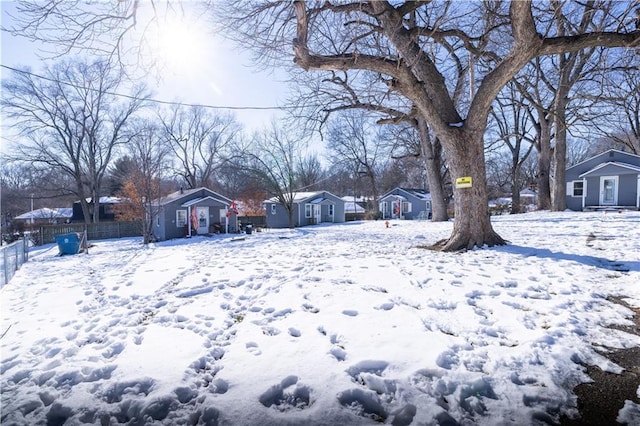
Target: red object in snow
{"points": [[233, 209]]}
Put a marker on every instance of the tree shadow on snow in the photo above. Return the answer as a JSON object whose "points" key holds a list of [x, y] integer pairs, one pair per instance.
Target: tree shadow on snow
{"points": [[599, 262]]}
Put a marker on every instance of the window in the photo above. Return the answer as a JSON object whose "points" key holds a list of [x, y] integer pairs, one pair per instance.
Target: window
{"points": [[578, 188], [307, 210], [406, 207], [330, 209], [273, 209], [181, 218]]}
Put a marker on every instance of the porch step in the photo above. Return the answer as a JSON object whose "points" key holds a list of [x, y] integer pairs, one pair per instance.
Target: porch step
{"points": [[609, 208]]}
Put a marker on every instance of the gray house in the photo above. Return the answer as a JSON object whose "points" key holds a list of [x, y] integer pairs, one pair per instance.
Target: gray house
{"points": [[309, 208], [193, 212], [405, 203], [608, 180]]}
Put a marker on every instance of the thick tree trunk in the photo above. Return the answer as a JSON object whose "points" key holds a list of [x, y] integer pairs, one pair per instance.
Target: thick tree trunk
{"points": [[96, 206], [432, 167], [515, 195], [544, 166], [84, 205], [559, 198], [86, 211], [290, 214], [472, 225]]}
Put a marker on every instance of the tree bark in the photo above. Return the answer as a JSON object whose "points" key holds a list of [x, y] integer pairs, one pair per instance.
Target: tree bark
{"points": [[558, 199], [432, 167], [472, 224], [544, 164]]}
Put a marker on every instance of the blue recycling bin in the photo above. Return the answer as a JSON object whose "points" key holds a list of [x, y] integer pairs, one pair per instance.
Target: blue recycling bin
{"points": [[68, 243]]}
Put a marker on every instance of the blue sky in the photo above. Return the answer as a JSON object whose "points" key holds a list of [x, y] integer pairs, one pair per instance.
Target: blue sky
{"points": [[213, 73]]}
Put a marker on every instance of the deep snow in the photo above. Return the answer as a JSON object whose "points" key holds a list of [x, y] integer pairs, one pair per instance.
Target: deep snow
{"points": [[324, 325]]}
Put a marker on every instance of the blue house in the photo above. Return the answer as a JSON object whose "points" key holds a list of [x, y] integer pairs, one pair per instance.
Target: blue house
{"points": [[608, 180], [405, 203], [190, 212], [309, 208]]}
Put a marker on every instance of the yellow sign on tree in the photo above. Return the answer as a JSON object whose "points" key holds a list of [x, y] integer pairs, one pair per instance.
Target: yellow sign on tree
{"points": [[463, 182]]}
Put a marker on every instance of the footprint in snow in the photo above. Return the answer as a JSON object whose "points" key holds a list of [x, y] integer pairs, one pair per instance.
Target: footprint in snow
{"points": [[385, 306], [253, 348], [287, 395], [310, 308], [338, 353], [294, 332]]}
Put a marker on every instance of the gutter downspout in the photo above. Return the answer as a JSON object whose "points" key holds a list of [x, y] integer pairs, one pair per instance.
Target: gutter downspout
{"points": [[189, 220], [584, 192], [638, 193]]}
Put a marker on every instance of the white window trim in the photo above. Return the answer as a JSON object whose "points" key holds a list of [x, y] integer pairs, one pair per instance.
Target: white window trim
{"points": [[331, 208], [573, 188], [308, 211], [178, 225]]}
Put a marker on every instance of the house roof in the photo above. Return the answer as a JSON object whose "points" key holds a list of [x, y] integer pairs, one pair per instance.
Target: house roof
{"points": [[201, 199], [353, 199], [188, 194], [418, 193], [299, 197], [630, 167], [46, 213], [604, 154], [104, 200], [528, 193]]}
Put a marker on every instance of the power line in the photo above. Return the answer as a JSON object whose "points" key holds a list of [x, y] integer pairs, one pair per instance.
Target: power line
{"points": [[157, 101]]}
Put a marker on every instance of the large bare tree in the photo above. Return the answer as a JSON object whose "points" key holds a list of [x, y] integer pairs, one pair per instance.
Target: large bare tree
{"points": [[142, 184], [314, 100], [273, 160], [512, 130], [70, 120], [201, 141], [356, 143], [620, 104]]}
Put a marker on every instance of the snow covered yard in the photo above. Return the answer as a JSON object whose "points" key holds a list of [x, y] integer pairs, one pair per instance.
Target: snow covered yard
{"points": [[324, 325]]}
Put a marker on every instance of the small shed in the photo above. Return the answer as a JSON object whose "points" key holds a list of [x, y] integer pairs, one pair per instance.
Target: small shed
{"points": [[106, 212], [309, 208], [607, 180], [189, 212], [405, 203]]}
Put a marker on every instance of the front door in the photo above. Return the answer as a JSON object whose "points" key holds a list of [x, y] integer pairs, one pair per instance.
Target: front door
{"points": [[316, 213], [202, 214], [609, 190]]}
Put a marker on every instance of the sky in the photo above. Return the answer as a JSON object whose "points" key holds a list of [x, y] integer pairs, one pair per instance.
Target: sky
{"points": [[331, 324], [200, 68]]}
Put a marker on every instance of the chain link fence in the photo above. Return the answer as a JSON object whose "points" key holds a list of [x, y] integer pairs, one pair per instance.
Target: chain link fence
{"points": [[11, 257]]}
